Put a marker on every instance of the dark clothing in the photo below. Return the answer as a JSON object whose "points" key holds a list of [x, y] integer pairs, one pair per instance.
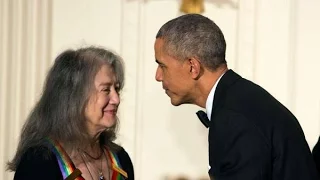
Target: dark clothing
{"points": [[41, 163], [252, 136], [316, 155]]}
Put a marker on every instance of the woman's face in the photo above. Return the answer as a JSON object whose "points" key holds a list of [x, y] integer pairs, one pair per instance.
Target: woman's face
{"points": [[103, 102]]}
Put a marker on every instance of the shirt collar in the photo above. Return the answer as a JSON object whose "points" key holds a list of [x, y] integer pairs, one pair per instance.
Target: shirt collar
{"points": [[210, 98]]}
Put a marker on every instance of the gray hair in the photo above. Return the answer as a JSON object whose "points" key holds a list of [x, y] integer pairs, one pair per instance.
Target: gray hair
{"points": [[59, 114], [193, 35]]}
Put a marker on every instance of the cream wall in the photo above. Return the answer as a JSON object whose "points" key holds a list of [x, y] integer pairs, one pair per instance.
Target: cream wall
{"points": [[272, 42]]}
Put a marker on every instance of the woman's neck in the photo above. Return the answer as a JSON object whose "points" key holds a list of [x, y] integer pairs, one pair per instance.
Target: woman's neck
{"points": [[94, 147]]}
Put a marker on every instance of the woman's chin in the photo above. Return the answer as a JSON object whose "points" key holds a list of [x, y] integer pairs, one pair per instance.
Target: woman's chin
{"points": [[109, 123]]}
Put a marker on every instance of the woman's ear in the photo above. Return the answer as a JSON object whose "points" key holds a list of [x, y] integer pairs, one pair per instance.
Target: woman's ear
{"points": [[195, 68]]}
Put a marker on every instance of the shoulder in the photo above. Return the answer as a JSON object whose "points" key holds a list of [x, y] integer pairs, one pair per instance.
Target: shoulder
{"points": [[120, 151], [123, 153], [126, 162], [38, 163], [38, 152], [229, 127], [124, 156], [227, 117]]}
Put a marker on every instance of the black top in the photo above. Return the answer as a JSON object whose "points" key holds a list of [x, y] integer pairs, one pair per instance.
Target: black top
{"points": [[252, 136], [41, 163]]}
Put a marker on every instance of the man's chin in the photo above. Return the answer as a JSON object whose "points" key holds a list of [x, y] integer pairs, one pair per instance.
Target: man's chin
{"points": [[180, 101], [175, 102]]}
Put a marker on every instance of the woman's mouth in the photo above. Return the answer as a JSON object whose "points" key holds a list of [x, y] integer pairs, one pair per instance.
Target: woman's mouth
{"points": [[112, 112]]}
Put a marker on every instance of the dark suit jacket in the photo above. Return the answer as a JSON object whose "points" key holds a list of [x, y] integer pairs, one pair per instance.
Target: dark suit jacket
{"points": [[252, 136], [316, 155]]}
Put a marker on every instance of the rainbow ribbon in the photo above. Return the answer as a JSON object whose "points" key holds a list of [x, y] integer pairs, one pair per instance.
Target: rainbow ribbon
{"points": [[118, 173], [67, 168]]}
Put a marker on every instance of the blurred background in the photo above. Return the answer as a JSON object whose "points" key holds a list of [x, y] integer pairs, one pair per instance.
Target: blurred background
{"points": [[274, 43]]}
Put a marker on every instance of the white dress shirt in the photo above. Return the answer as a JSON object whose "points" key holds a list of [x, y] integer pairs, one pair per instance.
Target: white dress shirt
{"points": [[210, 98]]}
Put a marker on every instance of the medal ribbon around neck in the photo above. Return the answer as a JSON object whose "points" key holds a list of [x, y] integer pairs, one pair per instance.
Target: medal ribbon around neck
{"points": [[67, 168], [118, 173]]}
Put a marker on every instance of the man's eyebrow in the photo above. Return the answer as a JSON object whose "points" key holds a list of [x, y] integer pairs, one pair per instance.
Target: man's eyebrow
{"points": [[157, 61]]}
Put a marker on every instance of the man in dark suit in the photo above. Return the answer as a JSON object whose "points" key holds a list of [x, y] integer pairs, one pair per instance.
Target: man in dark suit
{"points": [[252, 136], [316, 154]]}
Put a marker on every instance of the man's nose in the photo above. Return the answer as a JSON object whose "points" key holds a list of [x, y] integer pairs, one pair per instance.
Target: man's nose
{"points": [[158, 74]]}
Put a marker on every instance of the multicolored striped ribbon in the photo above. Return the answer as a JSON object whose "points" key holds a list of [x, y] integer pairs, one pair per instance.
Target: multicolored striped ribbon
{"points": [[66, 166], [68, 170], [118, 173]]}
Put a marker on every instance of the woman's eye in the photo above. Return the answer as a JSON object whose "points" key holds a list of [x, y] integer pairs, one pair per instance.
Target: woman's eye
{"points": [[106, 90], [117, 89]]}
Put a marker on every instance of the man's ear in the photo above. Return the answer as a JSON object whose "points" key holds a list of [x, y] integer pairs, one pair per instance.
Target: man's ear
{"points": [[195, 68]]}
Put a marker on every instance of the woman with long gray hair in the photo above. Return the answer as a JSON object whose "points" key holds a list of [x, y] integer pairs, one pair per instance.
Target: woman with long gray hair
{"points": [[69, 133]]}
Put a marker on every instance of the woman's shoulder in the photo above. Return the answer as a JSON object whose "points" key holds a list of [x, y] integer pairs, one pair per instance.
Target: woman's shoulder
{"points": [[121, 152], [36, 163], [38, 152], [125, 161]]}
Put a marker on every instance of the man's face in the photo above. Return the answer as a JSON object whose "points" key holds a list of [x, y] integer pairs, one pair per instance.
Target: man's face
{"points": [[175, 75]]}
